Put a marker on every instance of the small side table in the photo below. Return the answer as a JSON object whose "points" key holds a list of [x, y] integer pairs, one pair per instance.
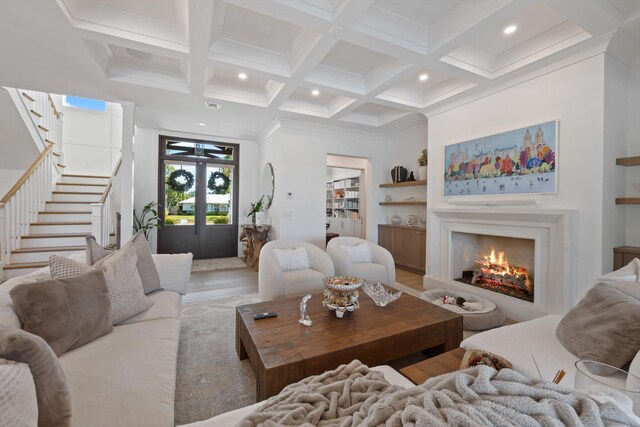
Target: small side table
{"points": [[438, 365], [331, 236], [254, 237]]}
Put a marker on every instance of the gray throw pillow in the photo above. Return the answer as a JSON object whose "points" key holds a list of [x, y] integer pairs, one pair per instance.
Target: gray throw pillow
{"points": [[52, 390], [604, 326], [123, 282], [146, 267], [66, 313]]}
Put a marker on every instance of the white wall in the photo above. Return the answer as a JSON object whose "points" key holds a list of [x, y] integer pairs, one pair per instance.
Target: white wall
{"points": [[573, 95], [299, 152], [8, 177], [17, 147], [633, 149], [91, 140], [146, 151]]}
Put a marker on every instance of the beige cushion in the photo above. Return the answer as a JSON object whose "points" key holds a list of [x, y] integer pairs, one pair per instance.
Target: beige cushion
{"points": [[146, 267], [292, 259], [166, 305], [66, 313], [52, 391], [123, 282], [18, 402], [371, 272], [126, 378], [605, 325], [174, 271], [358, 253]]}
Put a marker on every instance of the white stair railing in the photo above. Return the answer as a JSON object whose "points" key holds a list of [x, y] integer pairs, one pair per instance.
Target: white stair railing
{"points": [[20, 206], [103, 213]]}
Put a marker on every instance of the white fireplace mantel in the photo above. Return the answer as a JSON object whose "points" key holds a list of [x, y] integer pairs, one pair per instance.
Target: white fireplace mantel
{"points": [[554, 233]]}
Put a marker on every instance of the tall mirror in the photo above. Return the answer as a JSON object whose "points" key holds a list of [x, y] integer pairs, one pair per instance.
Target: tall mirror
{"points": [[268, 185]]}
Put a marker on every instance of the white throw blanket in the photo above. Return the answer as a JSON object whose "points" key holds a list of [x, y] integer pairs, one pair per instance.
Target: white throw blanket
{"points": [[353, 395]]}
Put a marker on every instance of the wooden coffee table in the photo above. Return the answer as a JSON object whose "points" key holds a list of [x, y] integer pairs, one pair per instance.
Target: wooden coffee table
{"points": [[435, 366], [282, 351]]}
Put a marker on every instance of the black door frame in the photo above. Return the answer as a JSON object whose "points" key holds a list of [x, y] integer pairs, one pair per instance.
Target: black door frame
{"points": [[200, 226]]}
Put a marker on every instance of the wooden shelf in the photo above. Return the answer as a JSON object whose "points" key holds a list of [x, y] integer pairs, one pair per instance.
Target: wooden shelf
{"points": [[416, 203], [628, 161], [628, 201], [404, 184]]}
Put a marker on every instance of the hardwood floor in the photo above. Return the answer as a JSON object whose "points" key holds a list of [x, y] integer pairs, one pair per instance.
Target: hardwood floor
{"points": [[410, 279], [243, 281]]}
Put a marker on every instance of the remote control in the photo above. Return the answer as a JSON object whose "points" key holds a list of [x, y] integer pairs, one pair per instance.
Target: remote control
{"points": [[264, 315]]}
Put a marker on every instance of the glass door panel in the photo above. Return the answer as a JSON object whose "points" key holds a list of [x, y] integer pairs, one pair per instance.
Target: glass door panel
{"points": [[219, 195], [180, 197]]}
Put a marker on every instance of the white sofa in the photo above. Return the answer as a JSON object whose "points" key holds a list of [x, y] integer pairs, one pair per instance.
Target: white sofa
{"points": [[274, 283], [381, 269], [127, 377]]}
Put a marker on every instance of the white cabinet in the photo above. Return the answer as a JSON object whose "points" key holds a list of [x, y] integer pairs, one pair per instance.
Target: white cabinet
{"points": [[345, 227]]}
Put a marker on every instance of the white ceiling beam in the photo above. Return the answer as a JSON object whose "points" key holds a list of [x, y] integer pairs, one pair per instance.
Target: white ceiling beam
{"points": [[201, 18], [592, 15]]}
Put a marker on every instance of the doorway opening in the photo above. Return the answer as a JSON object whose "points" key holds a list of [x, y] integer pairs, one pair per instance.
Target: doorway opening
{"points": [[198, 191], [346, 197]]}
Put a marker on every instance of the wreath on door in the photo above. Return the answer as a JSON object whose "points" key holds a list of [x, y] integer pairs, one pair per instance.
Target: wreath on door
{"points": [[218, 183], [180, 180]]}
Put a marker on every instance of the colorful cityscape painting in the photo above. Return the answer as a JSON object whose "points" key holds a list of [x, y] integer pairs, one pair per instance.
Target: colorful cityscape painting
{"points": [[521, 161]]}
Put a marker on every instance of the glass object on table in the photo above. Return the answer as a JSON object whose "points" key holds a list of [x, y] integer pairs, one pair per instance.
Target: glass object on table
{"points": [[380, 295], [605, 382], [304, 316]]}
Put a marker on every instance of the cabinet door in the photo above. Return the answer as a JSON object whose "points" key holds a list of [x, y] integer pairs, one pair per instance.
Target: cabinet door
{"points": [[423, 245], [384, 238], [413, 251], [397, 245]]}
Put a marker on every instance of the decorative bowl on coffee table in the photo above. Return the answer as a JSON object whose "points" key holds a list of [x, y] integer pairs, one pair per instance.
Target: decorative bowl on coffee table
{"points": [[341, 294], [380, 295], [605, 382]]}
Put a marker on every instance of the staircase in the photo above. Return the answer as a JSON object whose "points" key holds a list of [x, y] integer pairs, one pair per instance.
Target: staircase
{"points": [[63, 225]]}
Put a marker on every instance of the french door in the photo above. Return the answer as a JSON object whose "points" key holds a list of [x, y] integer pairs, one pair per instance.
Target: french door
{"points": [[198, 194]]}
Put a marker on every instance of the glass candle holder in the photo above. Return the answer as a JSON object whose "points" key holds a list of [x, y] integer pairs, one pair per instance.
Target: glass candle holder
{"points": [[604, 381]]}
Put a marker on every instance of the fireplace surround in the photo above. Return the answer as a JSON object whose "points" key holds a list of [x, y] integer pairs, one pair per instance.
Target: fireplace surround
{"points": [[548, 235]]}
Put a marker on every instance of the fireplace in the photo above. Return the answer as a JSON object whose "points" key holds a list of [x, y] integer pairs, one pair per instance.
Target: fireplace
{"points": [[540, 241], [499, 264]]}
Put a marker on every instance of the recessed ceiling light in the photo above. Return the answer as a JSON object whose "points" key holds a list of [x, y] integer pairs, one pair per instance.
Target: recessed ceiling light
{"points": [[510, 29], [423, 77], [315, 92], [242, 76], [336, 31], [202, 124]]}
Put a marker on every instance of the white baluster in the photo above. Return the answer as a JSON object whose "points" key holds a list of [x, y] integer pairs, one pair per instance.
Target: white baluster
{"points": [[4, 238], [97, 222]]}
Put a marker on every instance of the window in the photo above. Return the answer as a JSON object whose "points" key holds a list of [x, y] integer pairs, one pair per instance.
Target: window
{"points": [[85, 103]]}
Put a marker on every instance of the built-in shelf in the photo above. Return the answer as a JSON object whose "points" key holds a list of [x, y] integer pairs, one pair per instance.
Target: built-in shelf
{"points": [[628, 201], [628, 161], [403, 203], [404, 184]]}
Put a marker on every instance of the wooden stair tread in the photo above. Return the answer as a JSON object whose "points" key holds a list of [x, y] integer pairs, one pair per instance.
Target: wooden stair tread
{"points": [[43, 128], [62, 223], [35, 113], [86, 176], [64, 212], [48, 249], [75, 192], [19, 265], [61, 166], [26, 95], [78, 201], [55, 235], [82, 184]]}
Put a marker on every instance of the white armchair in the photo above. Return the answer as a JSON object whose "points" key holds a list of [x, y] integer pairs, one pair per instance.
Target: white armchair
{"points": [[381, 267], [275, 283]]}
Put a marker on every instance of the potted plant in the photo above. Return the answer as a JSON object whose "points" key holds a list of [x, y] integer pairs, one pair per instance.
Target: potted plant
{"points": [[423, 160], [144, 222], [255, 209]]}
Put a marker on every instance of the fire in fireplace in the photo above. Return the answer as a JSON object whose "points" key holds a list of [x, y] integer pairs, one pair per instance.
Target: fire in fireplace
{"points": [[494, 273]]}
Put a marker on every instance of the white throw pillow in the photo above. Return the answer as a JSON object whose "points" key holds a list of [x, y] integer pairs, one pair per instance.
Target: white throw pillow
{"points": [[633, 382], [293, 259], [628, 273], [358, 253], [174, 271], [18, 401], [124, 286]]}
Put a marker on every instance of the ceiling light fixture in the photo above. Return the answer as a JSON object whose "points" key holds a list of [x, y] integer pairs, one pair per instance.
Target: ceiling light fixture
{"points": [[242, 76], [214, 105], [202, 124], [423, 77], [315, 92], [510, 29]]}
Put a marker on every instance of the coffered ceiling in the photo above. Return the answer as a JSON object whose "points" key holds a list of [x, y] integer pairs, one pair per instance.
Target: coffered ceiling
{"points": [[371, 65]]}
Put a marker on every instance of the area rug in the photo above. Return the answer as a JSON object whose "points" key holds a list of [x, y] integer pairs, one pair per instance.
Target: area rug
{"points": [[211, 379], [217, 264]]}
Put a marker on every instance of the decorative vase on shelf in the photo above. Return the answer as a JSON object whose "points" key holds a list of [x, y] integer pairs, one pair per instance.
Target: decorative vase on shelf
{"points": [[396, 219], [422, 173]]}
